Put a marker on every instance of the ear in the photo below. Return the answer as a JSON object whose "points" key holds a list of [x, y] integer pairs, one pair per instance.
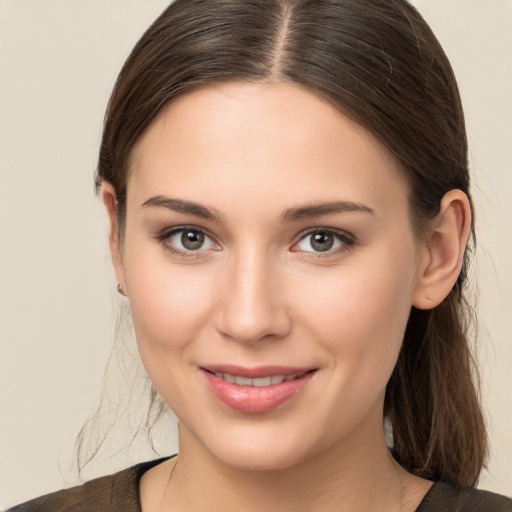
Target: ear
{"points": [[108, 198], [443, 251]]}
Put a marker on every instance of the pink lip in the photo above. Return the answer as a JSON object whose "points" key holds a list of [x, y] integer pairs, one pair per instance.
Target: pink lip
{"points": [[252, 399]]}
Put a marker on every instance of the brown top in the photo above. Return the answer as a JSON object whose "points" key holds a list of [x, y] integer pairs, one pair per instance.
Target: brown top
{"points": [[120, 493]]}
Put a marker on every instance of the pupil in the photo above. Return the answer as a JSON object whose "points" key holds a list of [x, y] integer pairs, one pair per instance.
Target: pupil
{"points": [[322, 241], [192, 239]]}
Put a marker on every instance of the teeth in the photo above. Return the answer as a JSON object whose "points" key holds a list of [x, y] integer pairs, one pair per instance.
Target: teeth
{"points": [[229, 378], [277, 379], [259, 382]]}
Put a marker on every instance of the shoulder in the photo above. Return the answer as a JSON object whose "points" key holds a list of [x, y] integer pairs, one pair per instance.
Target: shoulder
{"points": [[117, 492], [444, 497]]}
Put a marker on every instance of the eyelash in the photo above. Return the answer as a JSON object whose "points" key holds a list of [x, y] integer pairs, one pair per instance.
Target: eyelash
{"points": [[347, 241]]}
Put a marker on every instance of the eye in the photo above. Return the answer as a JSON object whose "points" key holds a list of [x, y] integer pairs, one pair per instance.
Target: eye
{"points": [[187, 241], [324, 241]]}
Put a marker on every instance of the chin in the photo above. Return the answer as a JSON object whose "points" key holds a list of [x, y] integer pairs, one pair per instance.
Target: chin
{"points": [[259, 459], [259, 452]]}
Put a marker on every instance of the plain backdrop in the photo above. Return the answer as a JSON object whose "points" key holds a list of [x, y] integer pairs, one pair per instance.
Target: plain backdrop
{"points": [[58, 63]]}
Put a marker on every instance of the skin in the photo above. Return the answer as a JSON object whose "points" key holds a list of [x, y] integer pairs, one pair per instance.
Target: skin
{"points": [[259, 293]]}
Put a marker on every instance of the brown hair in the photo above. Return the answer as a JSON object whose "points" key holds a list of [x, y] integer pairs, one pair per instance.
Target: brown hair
{"points": [[379, 63]]}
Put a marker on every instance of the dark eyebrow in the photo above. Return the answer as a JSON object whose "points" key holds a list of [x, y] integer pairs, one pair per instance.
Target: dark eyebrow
{"points": [[309, 211], [182, 206]]}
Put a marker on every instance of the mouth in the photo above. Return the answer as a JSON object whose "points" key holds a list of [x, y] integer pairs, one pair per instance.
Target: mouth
{"points": [[257, 390], [258, 382]]}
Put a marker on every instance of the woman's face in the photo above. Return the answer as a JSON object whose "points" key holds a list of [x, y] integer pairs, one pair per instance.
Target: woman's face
{"points": [[271, 266]]}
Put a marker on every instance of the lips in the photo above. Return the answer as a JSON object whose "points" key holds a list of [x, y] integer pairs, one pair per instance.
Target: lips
{"points": [[256, 390]]}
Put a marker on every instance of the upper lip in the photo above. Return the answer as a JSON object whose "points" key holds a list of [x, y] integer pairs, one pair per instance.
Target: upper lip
{"points": [[256, 372]]}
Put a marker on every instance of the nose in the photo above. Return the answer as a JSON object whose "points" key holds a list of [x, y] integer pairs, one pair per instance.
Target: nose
{"points": [[253, 306]]}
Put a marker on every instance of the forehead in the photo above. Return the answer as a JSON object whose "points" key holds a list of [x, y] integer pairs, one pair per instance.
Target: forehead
{"points": [[271, 139]]}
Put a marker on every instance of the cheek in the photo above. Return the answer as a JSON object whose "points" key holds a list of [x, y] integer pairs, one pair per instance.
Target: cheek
{"points": [[168, 302], [359, 314], [169, 311]]}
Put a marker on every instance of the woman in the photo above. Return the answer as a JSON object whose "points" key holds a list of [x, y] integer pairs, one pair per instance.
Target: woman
{"points": [[287, 189]]}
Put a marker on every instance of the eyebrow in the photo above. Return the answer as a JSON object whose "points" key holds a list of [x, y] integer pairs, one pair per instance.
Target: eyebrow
{"points": [[307, 211], [310, 211], [182, 206]]}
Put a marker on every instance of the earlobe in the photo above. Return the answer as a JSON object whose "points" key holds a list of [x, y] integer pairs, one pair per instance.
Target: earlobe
{"points": [[443, 251], [108, 198]]}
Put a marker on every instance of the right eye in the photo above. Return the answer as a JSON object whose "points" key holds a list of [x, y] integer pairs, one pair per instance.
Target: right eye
{"points": [[187, 242]]}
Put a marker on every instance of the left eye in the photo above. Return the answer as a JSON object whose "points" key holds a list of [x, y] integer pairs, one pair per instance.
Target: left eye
{"points": [[322, 241], [187, 240]]}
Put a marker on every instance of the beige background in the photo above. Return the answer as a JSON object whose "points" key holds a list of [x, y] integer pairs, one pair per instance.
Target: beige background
{"points": [[58, 62]]}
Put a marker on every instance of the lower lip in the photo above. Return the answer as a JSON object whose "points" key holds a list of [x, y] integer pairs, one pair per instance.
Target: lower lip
{"points": [[252, 399]]}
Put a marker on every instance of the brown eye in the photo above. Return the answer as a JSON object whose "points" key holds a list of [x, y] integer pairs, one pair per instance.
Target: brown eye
{"points": [[187, 241], [322, 241], [192, 239]]}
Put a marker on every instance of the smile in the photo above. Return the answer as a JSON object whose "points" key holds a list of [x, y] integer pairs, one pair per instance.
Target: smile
{"points": [[259, 382], [256, 390]]}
